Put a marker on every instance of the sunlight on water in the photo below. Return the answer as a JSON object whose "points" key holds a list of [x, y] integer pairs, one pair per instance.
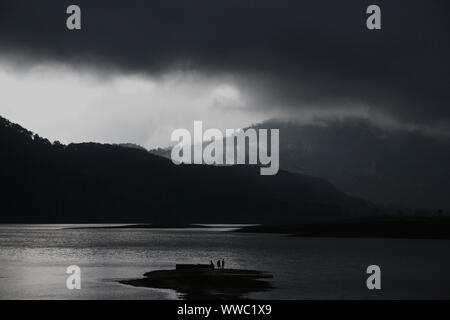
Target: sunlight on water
{"points": [[33, 260]]}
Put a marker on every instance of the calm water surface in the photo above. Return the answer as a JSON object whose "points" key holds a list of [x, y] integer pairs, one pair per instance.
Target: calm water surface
{"points": [[33, 260]]}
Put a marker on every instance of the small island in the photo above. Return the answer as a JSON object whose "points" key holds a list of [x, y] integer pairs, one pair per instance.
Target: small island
{"points": [[205, 283]]}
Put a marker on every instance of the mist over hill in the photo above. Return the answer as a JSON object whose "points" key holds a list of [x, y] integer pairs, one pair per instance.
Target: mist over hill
{"points": [[408, 172], [406, 169], [89, 182]]}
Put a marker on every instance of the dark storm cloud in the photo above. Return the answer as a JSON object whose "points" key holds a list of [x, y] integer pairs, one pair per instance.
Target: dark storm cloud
{"points": [[291, 53]]}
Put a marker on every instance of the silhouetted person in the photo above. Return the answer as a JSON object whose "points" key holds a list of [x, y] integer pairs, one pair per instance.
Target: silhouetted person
{"points": [[212, 264], [223, 264], [218, 264]]}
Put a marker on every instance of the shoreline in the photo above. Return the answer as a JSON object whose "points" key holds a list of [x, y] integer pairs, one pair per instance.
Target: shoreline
{"points": [[147, 226], [386, 227], [370, 227]]}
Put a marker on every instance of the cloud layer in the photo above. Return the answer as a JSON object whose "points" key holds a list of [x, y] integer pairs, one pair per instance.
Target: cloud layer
{"points": [[288, 57]]}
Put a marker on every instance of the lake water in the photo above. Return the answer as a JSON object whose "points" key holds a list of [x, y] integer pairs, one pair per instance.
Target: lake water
{"points": [[34, 258]]}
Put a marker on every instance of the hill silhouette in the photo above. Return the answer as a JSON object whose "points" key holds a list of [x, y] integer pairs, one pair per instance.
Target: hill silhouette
{"points": [[405, 171], [45, 182], [400, 168]]}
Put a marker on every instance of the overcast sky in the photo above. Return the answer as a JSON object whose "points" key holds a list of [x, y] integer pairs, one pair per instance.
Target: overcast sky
{"points": [[139, 69]]}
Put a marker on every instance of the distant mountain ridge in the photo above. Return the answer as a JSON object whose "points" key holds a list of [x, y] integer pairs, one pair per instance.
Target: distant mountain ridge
{"points": [[89, 182], [408, 171]]}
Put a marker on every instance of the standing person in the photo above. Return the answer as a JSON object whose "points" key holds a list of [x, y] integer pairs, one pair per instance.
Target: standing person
{"points": [[218, 264], [211, 263], [223, 264]]}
